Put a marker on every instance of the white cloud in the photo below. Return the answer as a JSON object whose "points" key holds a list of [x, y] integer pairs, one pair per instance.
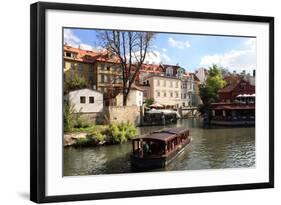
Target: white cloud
{"points": [[164, 49], [71, 39], [178, 44], [239, 59], [155, 57], [86, 47]]}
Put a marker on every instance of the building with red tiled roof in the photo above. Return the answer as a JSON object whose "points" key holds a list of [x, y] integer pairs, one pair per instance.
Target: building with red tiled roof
{"points": [[235, 88], [100, 69]]}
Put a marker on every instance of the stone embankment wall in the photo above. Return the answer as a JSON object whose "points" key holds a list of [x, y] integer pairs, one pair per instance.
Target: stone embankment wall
{"points": [[118, 114], [115, 114]]}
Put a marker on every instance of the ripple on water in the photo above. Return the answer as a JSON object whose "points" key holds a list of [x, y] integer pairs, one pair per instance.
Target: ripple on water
{"points": [[214, 148]]}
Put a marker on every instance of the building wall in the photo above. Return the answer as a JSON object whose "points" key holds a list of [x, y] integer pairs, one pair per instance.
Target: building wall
{"points": [[165, 90], [85, 70], [109, 75], [201, 75], [187, 91], [135, 98], [118, 114], [87, 107], [242, 87]]}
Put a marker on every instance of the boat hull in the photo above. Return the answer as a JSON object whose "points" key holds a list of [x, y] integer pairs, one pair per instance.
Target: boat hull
{"points": [[157, 162]]}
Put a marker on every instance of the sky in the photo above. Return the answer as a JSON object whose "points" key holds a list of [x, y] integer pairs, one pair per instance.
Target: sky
{"points": [[190, 51]]}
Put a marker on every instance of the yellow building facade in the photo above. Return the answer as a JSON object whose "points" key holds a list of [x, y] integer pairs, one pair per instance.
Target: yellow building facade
{"points": [[100, 72]]}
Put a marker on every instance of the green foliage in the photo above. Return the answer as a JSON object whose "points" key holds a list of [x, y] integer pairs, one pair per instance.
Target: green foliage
{"points": [[90, 129], [81, 123], [68, 116], [120, 133], [73, 82], [209, 90], [149, 101], [72, 121], [112, 134], [83, 142]]}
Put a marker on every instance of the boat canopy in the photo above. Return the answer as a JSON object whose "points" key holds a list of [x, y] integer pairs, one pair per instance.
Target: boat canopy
{"points": [[164, 134]]}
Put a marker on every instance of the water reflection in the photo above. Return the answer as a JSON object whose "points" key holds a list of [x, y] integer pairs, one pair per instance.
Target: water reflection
{"points": [[212, 148]]}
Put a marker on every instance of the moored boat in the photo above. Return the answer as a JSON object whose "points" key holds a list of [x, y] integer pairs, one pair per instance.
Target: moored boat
{"points": [[157, 149]]}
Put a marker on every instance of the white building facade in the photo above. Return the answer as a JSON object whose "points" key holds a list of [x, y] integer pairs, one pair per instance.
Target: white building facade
{"points": [[135, 97], [86, 100], [165, 90]]}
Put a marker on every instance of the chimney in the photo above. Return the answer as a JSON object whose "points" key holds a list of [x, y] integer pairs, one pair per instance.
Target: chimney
{"points": [[254, 72]]}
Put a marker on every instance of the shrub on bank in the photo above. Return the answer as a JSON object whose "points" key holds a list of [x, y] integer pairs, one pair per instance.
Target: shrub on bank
{"points": [[84, 142], [112, 134], [121, 133]]}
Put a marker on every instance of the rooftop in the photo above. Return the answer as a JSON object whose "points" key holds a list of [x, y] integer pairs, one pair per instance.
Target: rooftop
{"points": [[164, 134]]}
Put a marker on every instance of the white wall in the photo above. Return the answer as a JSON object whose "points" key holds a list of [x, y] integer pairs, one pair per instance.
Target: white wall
{"points": [[74, 99], [135, 97], [14, 174]]}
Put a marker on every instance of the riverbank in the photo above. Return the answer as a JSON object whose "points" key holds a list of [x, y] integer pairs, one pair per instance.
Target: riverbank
{"points": [[96, 135]]}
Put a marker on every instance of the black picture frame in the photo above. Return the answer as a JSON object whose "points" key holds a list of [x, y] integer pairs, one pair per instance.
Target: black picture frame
{"points": [[38, 100]]}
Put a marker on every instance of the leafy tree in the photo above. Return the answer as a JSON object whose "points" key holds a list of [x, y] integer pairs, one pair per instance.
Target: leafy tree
{"points": [[209, 90], [149, 101], [72, 81]]}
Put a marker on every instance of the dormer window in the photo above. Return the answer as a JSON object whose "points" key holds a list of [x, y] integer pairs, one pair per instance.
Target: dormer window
{"points": [[68, 54]]}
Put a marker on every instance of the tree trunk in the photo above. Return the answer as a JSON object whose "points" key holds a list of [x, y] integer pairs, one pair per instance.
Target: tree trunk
{"points": [[125, 97]]}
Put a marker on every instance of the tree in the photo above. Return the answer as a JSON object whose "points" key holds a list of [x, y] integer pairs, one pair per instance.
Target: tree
{"points": [[149, 101], [209, 90], [131, 49], [73, 82]]}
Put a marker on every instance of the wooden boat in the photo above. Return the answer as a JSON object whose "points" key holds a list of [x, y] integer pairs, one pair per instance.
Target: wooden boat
{"points": [[157, 149]]}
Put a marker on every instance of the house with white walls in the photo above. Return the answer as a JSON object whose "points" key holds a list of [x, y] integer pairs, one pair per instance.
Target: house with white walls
{"points": [[86, 100], [135, 97]]}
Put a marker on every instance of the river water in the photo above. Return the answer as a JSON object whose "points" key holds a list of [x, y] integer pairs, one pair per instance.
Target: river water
{"points": [[211, 148]]}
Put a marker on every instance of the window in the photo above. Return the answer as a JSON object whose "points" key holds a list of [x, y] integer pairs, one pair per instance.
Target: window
{"points": [[177, 94], [171, 94], [158, 94], [171, 83], [102, 66], [108, 68], [91, 79], [91, 99], [72, 66], [80, 67], [90, 69], [177, 84], [158, 82], [165, 94], [102, 78], [68, 54], [108, 79], [82, 99], [164, 83]]}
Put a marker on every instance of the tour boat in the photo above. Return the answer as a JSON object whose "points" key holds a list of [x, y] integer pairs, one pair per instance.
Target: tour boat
{"points": [[157, 149]]}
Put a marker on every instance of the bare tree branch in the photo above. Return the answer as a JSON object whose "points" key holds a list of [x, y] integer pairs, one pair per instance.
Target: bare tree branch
{"points": [[131, 49]]}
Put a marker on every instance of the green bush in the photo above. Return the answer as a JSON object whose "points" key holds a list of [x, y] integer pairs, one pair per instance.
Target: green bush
{"points": [[84, 142], [120, 133], [68, 116], [81, 123]]}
